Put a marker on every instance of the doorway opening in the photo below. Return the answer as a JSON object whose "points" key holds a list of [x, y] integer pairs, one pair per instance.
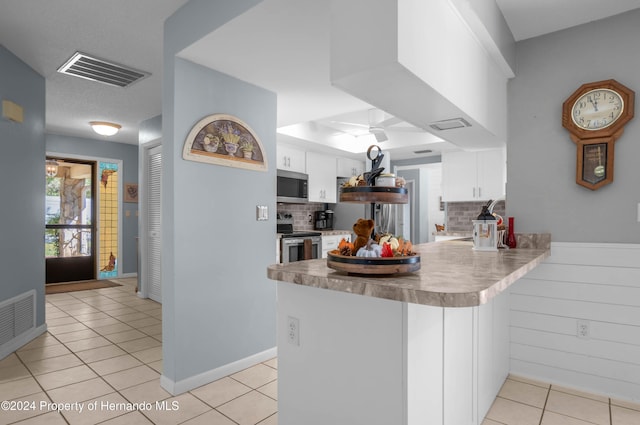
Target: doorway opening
{"points": [[82, 219], [69, 222]]}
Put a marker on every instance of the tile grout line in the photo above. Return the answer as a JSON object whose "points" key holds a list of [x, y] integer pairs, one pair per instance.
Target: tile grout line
{"points": [[99, 375], [544, 408], [610, 413]]}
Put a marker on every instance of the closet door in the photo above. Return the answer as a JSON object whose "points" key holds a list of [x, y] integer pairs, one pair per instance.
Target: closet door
{"points": [[153, 252]]}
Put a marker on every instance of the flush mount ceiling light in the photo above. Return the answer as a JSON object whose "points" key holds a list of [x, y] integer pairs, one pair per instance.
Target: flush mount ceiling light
{"points": [[51, 167], [104, 128], [450, 124]]}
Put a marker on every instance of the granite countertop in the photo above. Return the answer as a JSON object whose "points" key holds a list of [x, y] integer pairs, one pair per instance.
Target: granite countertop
{"points": [[452, 274]]}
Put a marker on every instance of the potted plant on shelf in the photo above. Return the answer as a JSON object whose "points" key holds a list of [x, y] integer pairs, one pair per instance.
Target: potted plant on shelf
{"points": [[231, 137], [210, 142], [247, 147]]}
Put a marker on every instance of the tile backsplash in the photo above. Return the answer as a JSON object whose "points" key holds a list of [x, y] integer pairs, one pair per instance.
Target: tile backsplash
{"points": [[460, 215], [302, 214]]}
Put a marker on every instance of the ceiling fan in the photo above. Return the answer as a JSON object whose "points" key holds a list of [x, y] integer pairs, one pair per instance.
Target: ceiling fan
{"points": [[378, 125]]}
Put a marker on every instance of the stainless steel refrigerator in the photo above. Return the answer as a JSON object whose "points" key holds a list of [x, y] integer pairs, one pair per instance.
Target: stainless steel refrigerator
{"points": [[345, 214]]}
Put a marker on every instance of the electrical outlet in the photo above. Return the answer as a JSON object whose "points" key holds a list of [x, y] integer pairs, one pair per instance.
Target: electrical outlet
{"points": [[293, 330], [583, 329]]}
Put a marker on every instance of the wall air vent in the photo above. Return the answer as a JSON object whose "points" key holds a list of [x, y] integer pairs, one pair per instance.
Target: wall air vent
{"points": [[449, 124], [17, 316], [422, 151], [95, 69]]}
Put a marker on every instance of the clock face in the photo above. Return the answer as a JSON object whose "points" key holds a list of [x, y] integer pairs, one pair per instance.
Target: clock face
{"points": [[597, 109]]}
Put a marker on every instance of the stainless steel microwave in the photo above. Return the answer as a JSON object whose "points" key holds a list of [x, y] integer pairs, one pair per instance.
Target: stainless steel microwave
{"points": [[292, 187]]}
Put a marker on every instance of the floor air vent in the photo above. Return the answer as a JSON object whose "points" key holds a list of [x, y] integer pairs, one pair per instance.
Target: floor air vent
{"points": [[17, 316], [95, 69]]}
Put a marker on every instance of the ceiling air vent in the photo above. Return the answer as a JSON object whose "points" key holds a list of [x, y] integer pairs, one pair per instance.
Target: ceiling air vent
{"points": [[449, 124], [422, 151], [95, 69]]}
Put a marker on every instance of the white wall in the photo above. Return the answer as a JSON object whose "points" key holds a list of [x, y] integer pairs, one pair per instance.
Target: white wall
{"points": [[22, 190], [541, 158], [218, 305], [596, 283]]}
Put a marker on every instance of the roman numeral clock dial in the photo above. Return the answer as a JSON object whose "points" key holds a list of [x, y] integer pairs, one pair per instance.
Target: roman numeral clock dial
{"points": [[595, 115]]}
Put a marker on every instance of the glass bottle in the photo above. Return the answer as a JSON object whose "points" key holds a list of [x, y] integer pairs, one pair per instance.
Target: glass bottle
{"points": [[511, 238]]}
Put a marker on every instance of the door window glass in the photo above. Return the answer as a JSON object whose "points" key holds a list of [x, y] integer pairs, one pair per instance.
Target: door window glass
{"points": [[108, 215]]}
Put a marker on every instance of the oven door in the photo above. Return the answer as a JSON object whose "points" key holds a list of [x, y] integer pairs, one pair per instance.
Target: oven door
{"points": [[293, 249]]}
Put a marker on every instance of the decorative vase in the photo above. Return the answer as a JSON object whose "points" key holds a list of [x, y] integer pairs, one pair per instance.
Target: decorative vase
{"points": [[231, 148], [247, 154], [211, 147], [511, 237]]}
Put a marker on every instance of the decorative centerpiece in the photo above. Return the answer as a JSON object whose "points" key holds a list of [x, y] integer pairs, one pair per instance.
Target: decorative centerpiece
{"points": [[373, 254], [383, 254]]}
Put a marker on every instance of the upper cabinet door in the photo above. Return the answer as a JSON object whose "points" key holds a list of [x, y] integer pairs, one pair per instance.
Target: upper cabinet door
{"points": [[491, 174], [322, 178], [348, 167], [459, 176], [473, 176], [291, 159]]}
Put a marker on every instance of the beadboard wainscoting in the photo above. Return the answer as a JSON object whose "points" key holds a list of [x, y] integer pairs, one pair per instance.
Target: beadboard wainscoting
{"points": [[575, 319]]}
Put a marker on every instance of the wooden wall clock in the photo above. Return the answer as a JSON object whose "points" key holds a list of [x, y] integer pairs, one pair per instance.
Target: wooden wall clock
{"points": [[595, 116]]}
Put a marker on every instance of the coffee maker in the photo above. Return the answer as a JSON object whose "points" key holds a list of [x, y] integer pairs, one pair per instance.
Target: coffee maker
{"points": [[323, 220]]}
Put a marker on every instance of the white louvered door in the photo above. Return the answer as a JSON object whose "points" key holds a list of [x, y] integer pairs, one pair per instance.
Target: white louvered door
{"points": [[153, 222]]}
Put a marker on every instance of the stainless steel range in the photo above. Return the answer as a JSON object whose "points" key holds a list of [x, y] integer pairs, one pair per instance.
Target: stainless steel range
{"points": [[297, 246]]}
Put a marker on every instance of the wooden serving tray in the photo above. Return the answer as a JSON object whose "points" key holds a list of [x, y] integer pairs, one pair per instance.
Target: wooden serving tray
{"points": [[373, 265], [375, 194]]}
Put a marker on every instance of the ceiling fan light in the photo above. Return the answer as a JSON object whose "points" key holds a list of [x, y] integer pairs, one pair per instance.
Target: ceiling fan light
{"points": [[104, 128]]}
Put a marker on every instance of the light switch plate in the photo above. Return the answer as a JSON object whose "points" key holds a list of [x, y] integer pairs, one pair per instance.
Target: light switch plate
{"points": [[262, 212]]}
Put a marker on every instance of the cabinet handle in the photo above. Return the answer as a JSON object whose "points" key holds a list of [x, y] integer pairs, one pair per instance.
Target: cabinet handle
{"points": [[474, 192], [479, 192]]}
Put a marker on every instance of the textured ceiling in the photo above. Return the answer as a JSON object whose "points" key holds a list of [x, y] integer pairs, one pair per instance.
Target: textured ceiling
{"points": [[44, 34]]}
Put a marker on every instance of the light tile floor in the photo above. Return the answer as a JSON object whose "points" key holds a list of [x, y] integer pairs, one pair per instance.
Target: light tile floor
{"points": [[103, 351]]}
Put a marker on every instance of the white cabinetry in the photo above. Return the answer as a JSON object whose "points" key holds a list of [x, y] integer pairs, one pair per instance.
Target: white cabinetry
{"points": [[330, 242], [473, 176], [322, 177], [348, 167], [440, 366], [291, 159]]}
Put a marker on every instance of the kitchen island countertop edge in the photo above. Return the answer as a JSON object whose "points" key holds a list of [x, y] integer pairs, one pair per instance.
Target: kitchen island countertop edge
{"points": [[452, 274]]}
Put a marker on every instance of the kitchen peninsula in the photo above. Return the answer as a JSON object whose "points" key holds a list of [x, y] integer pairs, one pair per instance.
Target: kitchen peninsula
{"points": [[430, 347]]}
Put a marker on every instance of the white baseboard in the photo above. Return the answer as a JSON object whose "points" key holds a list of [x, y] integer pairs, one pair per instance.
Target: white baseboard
{"points": [[21, 340], [127, 275], [179, 387]]}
